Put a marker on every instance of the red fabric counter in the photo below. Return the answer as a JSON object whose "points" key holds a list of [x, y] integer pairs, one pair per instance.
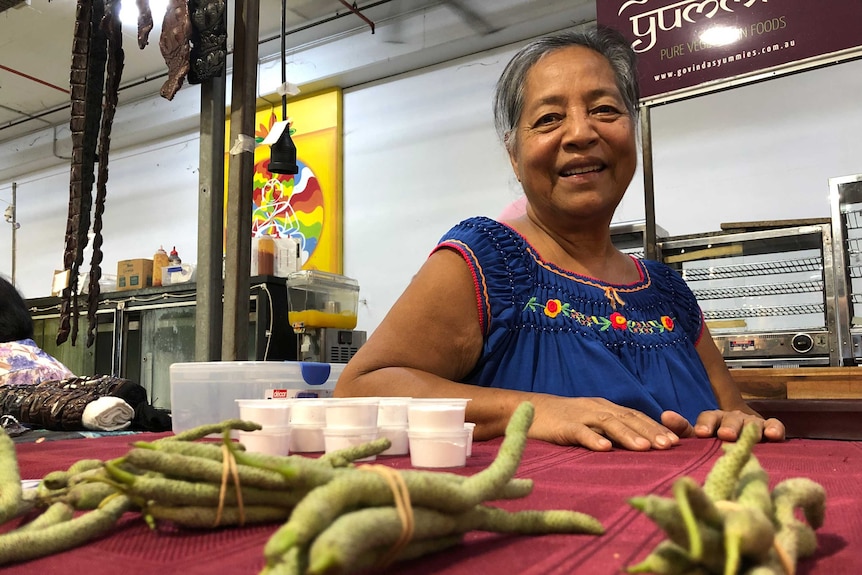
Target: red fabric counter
{"points": [[572, 478]]}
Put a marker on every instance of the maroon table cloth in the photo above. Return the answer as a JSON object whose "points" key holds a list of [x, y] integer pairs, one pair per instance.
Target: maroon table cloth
{"points": [[565, 478]]}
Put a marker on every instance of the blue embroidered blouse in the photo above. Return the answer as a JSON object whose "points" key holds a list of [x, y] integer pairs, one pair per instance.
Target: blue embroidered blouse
{"points": [[552, 331]]}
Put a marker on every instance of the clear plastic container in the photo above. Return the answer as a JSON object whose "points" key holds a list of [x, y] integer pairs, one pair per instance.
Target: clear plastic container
{"points": [[438, 448], [269, 413], [392, 411], [345, 438], [351, 412], [307, 438], [436, 414], [322, 299], [274, 441], [206, 392], [469, 426], [397, 436], [309, 411]]}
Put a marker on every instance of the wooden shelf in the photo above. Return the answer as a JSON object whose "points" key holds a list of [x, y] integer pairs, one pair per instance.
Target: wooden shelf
{"points": [[799, 382]]}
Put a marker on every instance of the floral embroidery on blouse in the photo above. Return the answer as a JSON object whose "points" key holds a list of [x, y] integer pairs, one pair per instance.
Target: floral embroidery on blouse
{"points": [[554, 307]]}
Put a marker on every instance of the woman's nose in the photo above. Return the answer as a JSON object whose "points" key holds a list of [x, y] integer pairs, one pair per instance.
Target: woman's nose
{"points": [[579, 131]]}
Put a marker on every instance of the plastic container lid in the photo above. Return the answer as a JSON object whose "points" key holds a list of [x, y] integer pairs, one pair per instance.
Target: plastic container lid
{"points": [[317, 278], [314, 373]]}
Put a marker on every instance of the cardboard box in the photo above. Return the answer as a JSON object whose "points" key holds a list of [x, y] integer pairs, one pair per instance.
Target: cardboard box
{"points": [[134, 274]]}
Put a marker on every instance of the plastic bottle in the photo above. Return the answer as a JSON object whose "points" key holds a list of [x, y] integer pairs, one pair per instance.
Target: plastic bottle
{"points": [[160, 260], [174, 259], [265, 256]]}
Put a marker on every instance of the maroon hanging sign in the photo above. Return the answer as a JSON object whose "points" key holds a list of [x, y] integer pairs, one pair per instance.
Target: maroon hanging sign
{"points": [[685, 43]]}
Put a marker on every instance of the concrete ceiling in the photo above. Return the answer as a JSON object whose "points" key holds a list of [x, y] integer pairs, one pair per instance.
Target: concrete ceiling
{"points": [[36, 40]]}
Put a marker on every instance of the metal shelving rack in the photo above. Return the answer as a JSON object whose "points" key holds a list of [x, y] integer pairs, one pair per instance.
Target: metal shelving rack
{"points": [[768, 296], [630, 237], [845, 196]]}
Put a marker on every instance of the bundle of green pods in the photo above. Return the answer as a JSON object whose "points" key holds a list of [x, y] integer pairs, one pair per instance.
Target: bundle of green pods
{"points": [[338, 517], [733, 523]]}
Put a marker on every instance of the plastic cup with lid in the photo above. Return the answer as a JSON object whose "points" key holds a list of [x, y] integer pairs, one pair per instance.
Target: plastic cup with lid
{"points": [[469, 426], [351, 412], [392, 411], [274, 441], [438, 448], [336, 438], [397, 436], [308, 411], [267, 412], [436, 414]]}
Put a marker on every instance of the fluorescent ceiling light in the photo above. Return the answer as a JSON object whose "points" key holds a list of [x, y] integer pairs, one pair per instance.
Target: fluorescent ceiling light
{"points": [[720, 35]]}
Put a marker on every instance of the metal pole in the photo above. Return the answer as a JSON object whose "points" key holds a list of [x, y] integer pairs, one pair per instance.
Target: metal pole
{"points": [[14, 228], [240, 181], [208, 302], [650, 250]]}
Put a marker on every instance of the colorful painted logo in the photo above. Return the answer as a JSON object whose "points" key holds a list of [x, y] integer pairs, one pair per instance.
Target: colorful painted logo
{"points": [[288, 206]]}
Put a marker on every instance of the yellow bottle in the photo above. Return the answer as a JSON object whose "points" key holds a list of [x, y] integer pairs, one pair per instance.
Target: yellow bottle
{"points": [[160, 260]]}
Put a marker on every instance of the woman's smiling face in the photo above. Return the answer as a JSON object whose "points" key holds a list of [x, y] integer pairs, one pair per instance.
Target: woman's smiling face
{"points": [[575, 149]]}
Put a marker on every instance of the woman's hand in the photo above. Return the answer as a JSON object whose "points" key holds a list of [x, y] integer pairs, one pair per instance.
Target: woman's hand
{"points": [[726, 425], [597, 424]]}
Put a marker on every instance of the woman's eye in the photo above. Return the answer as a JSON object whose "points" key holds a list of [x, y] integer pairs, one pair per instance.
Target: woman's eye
{"points": [[546, 119], [605, 110]]}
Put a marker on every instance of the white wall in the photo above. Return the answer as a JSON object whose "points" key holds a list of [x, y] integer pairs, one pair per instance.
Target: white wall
{"points": [[151, 200], [421, 154], [758, 152]]}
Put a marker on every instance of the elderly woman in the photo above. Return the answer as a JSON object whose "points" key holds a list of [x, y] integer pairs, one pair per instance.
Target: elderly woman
{"points": [[611, 350]]}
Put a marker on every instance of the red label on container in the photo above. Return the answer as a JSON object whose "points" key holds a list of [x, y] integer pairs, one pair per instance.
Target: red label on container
{"points": [[279, 394]]}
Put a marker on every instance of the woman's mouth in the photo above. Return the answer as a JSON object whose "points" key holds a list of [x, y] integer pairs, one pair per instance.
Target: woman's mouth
{"points": [[582, 170]]}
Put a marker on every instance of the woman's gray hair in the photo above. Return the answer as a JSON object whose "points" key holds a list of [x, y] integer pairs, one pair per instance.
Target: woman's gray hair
{"points": [[509, 92]]}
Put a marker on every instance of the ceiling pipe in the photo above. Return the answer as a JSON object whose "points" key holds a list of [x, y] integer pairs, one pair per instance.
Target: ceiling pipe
{"points": [[356, 11], [33, 78], [148, 79]]}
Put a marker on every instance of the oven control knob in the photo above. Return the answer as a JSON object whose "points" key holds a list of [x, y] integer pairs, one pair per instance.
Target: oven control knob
{"points": [[802, 343]]}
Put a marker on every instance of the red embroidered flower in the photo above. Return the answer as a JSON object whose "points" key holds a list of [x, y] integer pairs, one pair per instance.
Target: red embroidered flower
{"points": [[667, 322], [618, 320], [553, 307]]}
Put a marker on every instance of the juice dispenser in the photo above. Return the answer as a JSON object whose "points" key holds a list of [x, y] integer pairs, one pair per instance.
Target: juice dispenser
{"points": [[322, 311]]}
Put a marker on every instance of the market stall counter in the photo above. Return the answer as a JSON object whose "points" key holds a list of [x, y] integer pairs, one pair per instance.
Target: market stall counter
{"points": [[599, 484]]}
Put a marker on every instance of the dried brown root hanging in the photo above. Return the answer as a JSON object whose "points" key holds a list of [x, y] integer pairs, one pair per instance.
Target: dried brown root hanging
{"points": [[175, 46], [145, 22], [89, 55], [113, 28]]}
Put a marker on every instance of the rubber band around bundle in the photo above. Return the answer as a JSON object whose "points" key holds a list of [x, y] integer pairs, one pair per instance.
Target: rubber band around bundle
{"points": [[401, 496], [229, 467]]}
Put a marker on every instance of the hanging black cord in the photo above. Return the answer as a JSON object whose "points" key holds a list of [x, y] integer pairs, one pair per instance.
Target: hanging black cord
{"points": [[283, 63]]}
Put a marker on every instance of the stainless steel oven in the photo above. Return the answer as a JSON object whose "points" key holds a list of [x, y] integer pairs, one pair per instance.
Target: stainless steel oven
{"points": [[767, 292]]}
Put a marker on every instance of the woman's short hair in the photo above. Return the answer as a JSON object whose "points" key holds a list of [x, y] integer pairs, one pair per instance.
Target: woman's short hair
{"points": [[15, 321], [509, 92]]}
